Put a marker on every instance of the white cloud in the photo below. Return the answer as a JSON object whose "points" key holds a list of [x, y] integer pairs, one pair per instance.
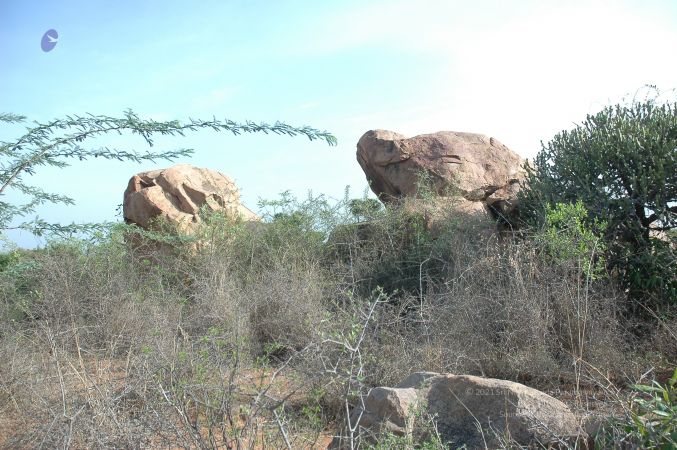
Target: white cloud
{"points": [[520, 74], [430, 26]]}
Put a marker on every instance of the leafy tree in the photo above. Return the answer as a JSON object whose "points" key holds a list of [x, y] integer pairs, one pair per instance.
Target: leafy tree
{"points": [[621, 163], [59, 141]]}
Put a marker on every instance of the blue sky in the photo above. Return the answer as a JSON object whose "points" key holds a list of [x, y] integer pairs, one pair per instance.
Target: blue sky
{"points": [[516, 70]]}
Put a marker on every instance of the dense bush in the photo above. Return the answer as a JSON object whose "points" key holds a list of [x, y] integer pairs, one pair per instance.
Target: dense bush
{"points": [[567, 235], [621, 163]]}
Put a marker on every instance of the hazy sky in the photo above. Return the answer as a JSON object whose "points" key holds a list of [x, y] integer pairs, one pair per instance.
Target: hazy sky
{"points": [[516, 70]]}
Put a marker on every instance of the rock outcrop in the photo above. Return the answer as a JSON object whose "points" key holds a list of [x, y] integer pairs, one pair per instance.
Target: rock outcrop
{"points": [[507, 412], [177, 194], [479, 172]]}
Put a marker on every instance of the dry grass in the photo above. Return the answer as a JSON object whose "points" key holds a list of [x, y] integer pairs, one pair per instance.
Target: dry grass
{"points": [[268, 335]]}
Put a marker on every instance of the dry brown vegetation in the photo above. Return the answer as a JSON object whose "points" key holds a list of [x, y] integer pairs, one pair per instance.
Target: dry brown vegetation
{"points": [[269, 334]]}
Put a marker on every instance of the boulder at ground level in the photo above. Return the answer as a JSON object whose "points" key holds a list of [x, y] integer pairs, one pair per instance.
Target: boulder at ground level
{"points": [[507, 412], [177, 194]]}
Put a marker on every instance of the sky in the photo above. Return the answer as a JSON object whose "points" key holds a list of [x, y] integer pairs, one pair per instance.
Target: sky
{"points": [[519, 71]]}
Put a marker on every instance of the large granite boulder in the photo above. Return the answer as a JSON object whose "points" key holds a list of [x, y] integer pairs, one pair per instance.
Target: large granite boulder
{"points": [[478, 172], [507, 412], [177, 194]]}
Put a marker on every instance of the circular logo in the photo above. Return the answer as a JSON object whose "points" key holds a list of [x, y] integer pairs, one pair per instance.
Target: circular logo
{"points": [[49, 40]]}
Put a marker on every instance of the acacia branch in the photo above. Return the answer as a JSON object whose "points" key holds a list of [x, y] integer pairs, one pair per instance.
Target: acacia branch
{"points": [[43, 145]]}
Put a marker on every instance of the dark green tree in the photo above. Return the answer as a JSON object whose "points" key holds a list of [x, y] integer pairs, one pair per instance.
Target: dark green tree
{"points": [[622, 164], [57, 142]]}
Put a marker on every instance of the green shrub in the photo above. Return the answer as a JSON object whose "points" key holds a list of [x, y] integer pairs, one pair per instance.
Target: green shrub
{"points": [[17, 286], [621, 163], [650, 422], [568, 235]]}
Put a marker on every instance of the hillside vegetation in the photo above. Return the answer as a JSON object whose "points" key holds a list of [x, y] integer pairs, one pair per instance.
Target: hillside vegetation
{"points": [[271, 331], [266, 334]]}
